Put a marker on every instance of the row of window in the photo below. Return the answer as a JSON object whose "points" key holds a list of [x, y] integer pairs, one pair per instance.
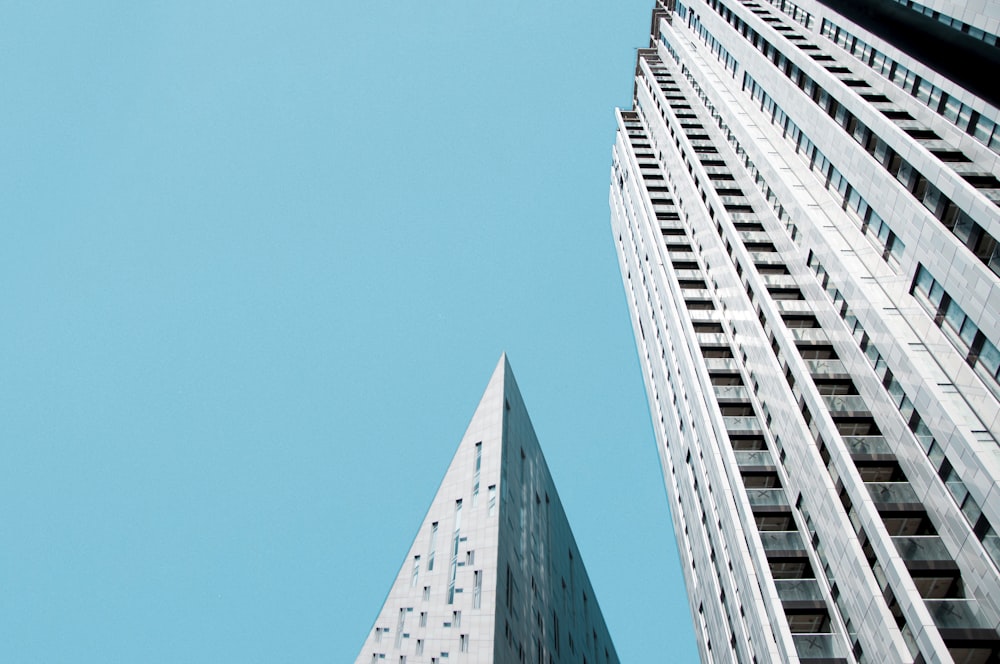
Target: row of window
{"points": [[893, 604], [981, 243], [956, 487], [762, 185], [961, 115], [673, 93], [952, 22], [871, 223], [456, 622], [893, 388], [713, 44], [865, 428], [795, 12], [980, 353]]}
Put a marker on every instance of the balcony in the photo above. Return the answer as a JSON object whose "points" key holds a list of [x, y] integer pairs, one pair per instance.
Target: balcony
{"points": [[809, 334], [956, 614], [742, 424], [731, 393], [826, 369], [754, 236], [696, 294], [894, 497], [754, 459], [846, 404], [767, 258], [799, 593], [704, 316], [767, 500], [793, 306], [680, 252], [927, 556], [965, 630], [722, 364], [826, 647], [868, 448], [778, 280], [922, 548], [782, 543], [712, 339]]}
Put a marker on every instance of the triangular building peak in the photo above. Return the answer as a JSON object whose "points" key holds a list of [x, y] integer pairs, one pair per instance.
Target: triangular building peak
{"points": [[494, 574]]}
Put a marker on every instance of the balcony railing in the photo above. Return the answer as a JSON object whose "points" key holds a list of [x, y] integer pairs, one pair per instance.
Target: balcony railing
{"points": [[867, 445], [753, 458], [794, 306], [727, 364], [742, 424], [892, 493], [782, 540], [767, 257], [819, 646], [754, 236], [956, 614], [798, 590], [767, 497], [808, 334], [731, 393], [845, 403], [825, 368], [921, 548]]}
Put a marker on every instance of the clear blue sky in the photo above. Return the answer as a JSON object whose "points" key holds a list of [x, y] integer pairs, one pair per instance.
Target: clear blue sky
{"points": [[257, 262]]}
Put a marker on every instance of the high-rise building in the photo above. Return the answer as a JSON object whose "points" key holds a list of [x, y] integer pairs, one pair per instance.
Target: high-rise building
{"points": [[494, 574], [805, 205]]}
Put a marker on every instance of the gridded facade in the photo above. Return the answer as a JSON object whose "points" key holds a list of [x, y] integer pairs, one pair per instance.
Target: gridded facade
{"points": [[806, 216], [494, 574]]}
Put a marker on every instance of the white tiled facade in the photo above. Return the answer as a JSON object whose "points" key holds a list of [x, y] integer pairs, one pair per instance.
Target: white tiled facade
{"points": [[494, 574], [806, 216]]}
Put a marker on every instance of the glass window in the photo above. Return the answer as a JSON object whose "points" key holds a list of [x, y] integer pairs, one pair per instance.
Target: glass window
{"points": [[964, 115], [989, 358], [430, 556], [477, 590], [924, 280], [951, 108], [954, 316], [968, 331], [936, 294]]}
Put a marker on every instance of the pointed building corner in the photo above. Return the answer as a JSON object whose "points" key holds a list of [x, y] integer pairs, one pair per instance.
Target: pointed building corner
{"points": [[494, 573]]}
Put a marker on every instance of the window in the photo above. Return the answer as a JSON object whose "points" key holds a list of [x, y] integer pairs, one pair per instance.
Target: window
{"points": [[400, 626], [493, 499], [416, 571], [477, 590], [475, 477], [454, 551], [430, 556]]}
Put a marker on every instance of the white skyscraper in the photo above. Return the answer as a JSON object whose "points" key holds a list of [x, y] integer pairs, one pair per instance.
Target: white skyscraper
{"points": [[805, 205], [494, 574]]}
